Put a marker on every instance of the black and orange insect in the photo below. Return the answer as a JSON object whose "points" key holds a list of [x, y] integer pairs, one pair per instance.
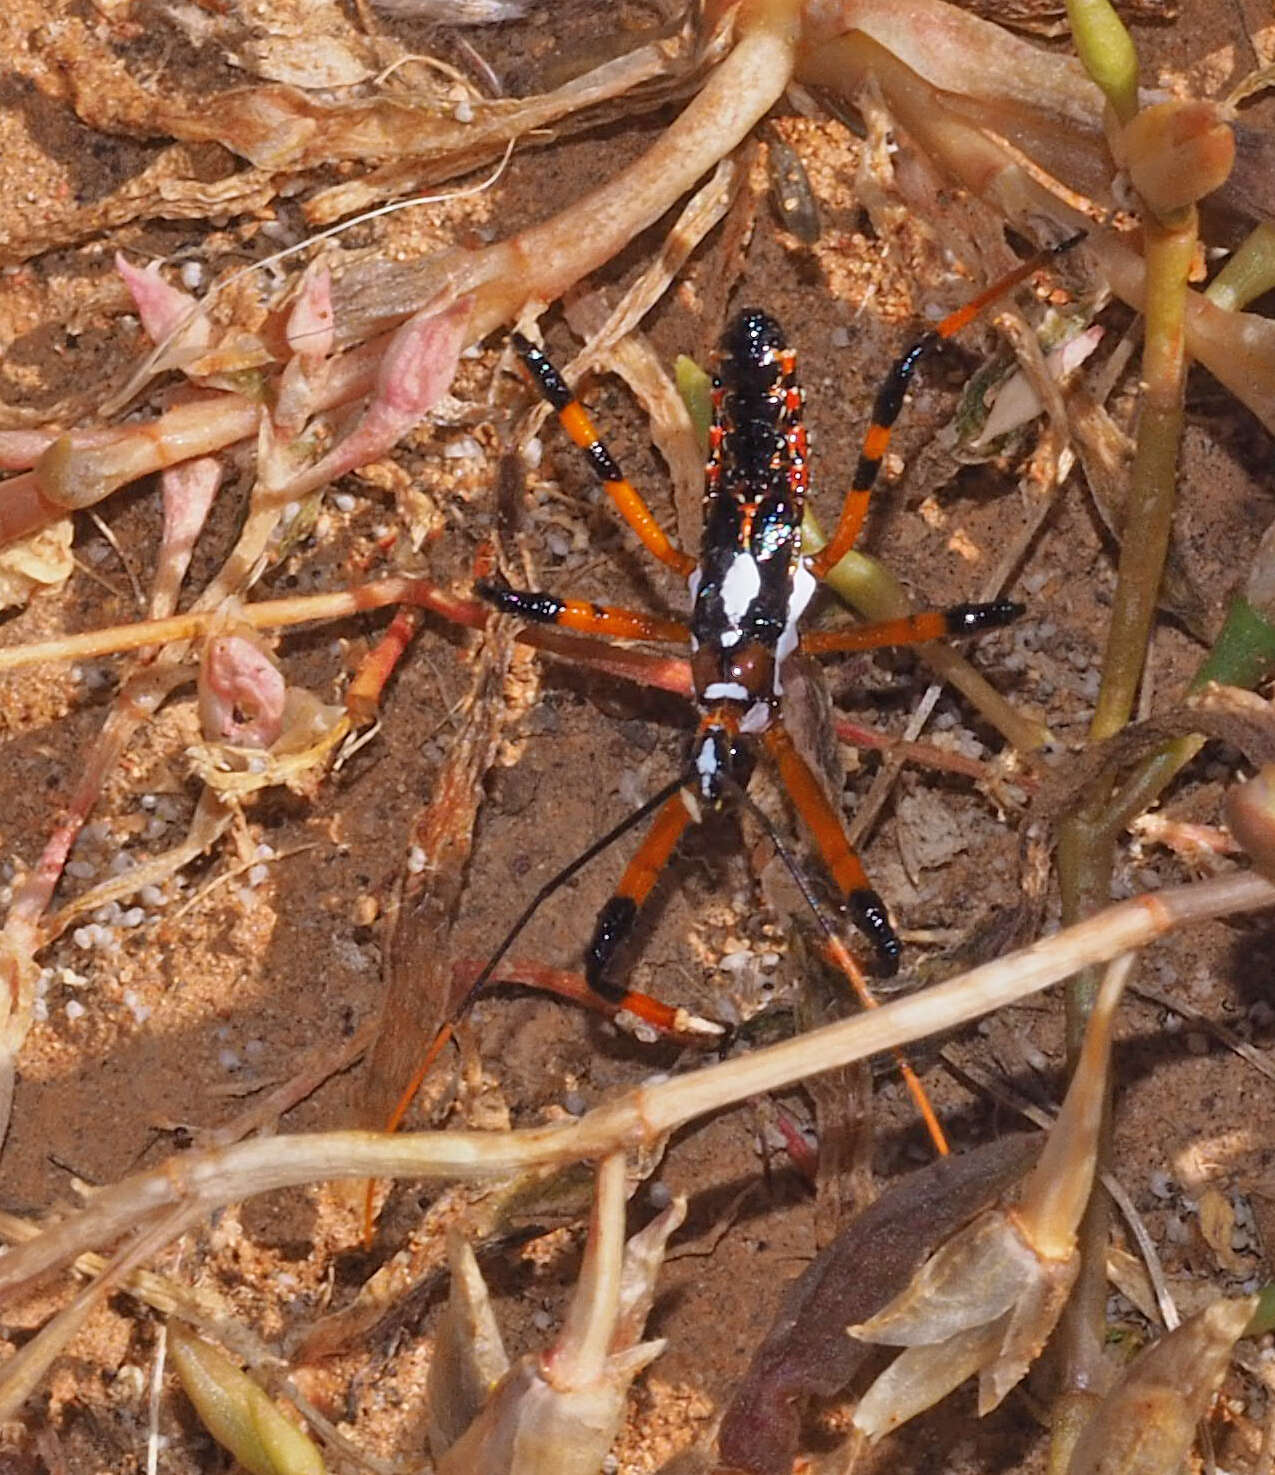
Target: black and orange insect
{"points": [[749, 588]]}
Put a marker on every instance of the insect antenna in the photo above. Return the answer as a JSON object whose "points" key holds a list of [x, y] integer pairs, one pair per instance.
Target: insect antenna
{"points": [[841, 957], [633, 818], [484, 975]]}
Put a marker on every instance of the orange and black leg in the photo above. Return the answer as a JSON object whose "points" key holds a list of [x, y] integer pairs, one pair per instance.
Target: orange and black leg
{"points": [[889, 401], [576, 422], [934, 624], [867, 910], [583, 615], [616, 919]]}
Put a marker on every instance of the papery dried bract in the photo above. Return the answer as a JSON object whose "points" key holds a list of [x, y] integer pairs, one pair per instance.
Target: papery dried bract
{"points": [[806, 1352], [41, 561], [989, 1299], [469, 1356], [557, 1413], [985, 1303], [1145, 1425]]}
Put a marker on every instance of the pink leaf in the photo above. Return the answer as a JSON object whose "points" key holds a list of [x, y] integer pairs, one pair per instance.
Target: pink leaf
{"points": [[164, 309], [310, 323], [187, 490], [416, 371]]}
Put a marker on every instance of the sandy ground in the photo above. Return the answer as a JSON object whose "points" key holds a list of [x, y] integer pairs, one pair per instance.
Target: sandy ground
{"points": [[155, 1032]]}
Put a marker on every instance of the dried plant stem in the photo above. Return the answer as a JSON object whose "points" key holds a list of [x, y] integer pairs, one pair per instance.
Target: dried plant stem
{"points": [[1149, 510], [207, 1179], [540, 264], [1086, 842]]}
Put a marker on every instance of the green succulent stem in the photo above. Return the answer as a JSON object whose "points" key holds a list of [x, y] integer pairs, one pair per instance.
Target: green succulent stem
{"points": [[1248, 274], [1106, 49]]}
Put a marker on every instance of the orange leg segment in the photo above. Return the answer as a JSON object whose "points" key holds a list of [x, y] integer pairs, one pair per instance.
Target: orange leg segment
{"points": [[579, 614], [576, 422], [889, 402], [866, 908], [616, 919], [934, 624]]}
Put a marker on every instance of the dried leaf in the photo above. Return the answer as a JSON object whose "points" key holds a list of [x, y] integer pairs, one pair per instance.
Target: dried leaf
{"points": [[41, 561]]}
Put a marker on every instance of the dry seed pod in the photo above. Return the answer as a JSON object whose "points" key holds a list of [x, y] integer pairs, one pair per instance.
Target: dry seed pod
{"points": [[557, 1413], [1146, 1423], [237, 1413], [1177, 152]]}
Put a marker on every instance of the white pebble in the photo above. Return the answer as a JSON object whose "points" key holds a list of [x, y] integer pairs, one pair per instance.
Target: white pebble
{"points": [[465, 447], [192, 275], [121, 861], [415, 861], [148, 801], [83, 937], [80, 870], [134, 917], [541, 1320], [574, 1103], [1161, 1184], [257, 874], [151, 896], [344, 501], [660, 1195], [463, 112], [534, 453], [74, 1009]]}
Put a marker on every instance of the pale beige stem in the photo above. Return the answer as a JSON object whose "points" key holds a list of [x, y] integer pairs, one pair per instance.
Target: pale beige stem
{"points": [[210, 1179]]}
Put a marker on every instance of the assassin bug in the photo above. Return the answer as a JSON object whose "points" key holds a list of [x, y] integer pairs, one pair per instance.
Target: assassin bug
{"points": [[749, 588]]}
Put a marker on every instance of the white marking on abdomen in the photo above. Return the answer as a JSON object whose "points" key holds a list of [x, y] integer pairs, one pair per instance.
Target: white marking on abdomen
{"points": [[740, 586], [731, 691], [804, 585]]}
